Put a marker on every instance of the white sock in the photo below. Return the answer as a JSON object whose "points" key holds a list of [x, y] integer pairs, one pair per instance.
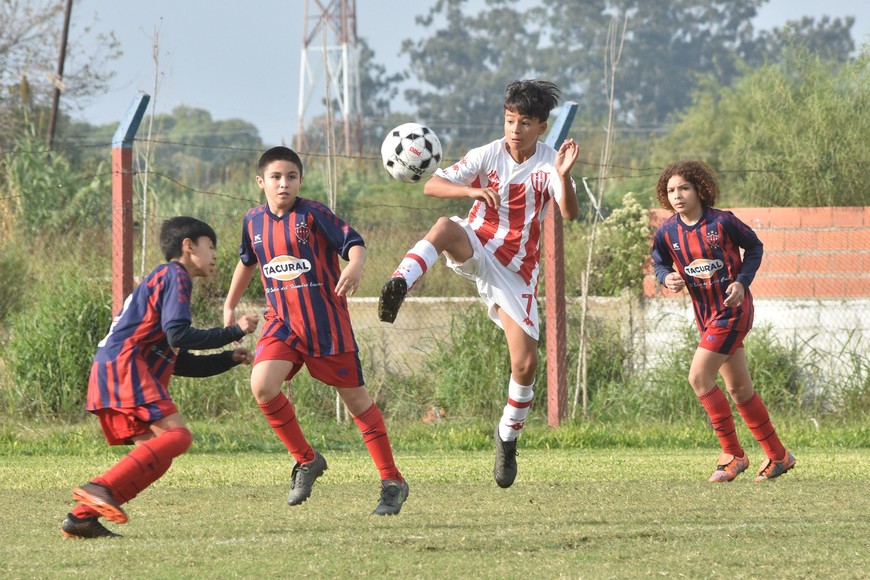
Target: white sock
{"points": [[517, 409], [415, 263]]}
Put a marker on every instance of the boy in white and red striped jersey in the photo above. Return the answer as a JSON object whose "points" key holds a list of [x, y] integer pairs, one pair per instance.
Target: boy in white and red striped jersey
{"points": [[497, 246]]}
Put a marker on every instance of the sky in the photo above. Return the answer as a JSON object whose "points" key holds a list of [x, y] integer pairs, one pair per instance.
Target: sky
{"points": [[241, 60]]}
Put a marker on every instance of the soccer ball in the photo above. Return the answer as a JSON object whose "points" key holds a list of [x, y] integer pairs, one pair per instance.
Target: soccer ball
{"points": [[411, 152]]}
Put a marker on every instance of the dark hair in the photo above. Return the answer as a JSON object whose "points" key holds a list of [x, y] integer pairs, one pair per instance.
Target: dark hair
{"points": [[176, 230], [698, 173], [532, 98], [278, 154]]}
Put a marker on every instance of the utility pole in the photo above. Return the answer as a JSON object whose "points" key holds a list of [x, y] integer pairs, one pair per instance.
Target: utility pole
{"points": [[330, 32], [57, 80]]}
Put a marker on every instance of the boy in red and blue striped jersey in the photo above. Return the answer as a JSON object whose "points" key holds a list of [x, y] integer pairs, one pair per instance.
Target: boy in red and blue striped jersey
{"points": [[296, 243], [128, 390], [704, 243]]}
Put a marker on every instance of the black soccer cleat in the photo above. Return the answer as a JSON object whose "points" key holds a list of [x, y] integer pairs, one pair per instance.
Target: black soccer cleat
{"points": [[393, 496], [505, 470], [302, 478], [392, 295], [85, 528]]}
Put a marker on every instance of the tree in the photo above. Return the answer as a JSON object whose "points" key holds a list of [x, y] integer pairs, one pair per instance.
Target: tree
{"points": [[785, 134], [468, 64], [29, 48], [670, 44], [464, 66]]}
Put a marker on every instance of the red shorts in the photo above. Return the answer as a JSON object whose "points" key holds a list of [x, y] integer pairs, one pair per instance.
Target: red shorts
{"points": [[120, 425], [722, 340], [337, 370]]}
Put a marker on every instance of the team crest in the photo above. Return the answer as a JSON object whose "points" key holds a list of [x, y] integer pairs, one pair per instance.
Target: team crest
{"points": [[302, 232], [713, 239]]}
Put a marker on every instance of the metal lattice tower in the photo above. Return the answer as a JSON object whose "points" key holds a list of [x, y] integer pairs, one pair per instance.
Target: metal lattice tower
{"points": [[329, 67]]}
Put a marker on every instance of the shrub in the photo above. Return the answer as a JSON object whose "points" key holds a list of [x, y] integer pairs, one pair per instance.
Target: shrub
{"points": [[51, 344]]}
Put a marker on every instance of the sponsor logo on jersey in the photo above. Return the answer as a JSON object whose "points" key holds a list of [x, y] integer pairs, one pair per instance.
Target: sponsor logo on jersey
{"points": [[286, 268], [302, 232], [713, 239], [258, 239], [703, 268], [676, 246]]}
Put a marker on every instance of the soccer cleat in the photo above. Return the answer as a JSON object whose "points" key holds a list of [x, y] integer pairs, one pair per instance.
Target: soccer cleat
{"points": [[771, 469], [302, 478], [85, 528], [392, 295], [100, 498], [729, 467], [505, 470], [393, 496]]}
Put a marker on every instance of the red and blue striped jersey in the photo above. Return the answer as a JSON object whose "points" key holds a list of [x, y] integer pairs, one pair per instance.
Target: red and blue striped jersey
{"points": [[512, 231], [298, 254], [707, 255], [134, 362]]}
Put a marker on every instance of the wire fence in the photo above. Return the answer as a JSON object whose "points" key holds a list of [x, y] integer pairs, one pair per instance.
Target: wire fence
{"points": [[813, 288]]}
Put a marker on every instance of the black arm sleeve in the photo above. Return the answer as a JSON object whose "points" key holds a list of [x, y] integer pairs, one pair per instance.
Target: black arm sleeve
{"points": [[183, 335], [203, 365]]}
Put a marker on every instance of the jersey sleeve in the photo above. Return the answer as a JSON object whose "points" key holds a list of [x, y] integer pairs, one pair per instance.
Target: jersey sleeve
{"points": [[663, 263], [246, 248], [184, 335], [753, 249], [203, 365], [466, 170], [174, 300], [340, 235]]}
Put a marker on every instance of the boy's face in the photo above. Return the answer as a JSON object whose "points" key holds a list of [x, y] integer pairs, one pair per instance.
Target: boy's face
{"points": [[199, 256], [522, 132], [280, 182], [683, 196]]}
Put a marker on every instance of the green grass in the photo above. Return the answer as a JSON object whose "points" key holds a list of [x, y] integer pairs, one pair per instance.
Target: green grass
{"points": [[574, 511]]}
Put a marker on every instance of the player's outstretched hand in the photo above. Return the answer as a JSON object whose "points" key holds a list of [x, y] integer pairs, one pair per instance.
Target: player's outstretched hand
{"points": [[248, 323], [566, 156], [243, 356]]}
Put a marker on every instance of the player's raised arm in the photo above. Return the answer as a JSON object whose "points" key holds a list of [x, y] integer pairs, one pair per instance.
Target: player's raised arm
{"points": [[569, 206]]}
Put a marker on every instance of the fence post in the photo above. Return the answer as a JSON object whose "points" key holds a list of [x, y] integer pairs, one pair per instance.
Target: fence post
{"points": [[554, 280], [122, 201]]}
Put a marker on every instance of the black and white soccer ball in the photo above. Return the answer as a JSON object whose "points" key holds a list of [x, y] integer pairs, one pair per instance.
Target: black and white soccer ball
{"points": [[411, 152]]}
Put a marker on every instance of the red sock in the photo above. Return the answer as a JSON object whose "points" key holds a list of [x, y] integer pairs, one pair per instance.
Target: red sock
{"points": [[719, 410], [374, 432], [84, 511], [145, 464], [282, 418], [757, 419]]}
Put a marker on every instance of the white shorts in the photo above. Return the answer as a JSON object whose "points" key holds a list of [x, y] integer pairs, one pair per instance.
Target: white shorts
{"points": [[497, 285]]}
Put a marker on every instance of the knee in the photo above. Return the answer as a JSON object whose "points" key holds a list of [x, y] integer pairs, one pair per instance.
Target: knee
{"points": [[524, 370], [699, 382], [264, 392], [181, 438], [740, 393]]}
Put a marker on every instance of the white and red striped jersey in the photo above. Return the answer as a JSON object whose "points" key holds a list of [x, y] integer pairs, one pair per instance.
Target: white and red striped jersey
{"points": [[512, 231]]}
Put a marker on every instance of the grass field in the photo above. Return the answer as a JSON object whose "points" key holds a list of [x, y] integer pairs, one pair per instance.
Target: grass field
{"points": [[590, 513]]}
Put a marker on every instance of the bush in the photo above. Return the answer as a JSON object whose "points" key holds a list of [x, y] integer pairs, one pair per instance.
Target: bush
{"points": [[51, 344], [470, 373]]}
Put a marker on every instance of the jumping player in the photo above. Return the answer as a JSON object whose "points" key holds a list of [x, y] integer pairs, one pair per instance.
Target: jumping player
{"points": [[511, 181], [297, 242], [148, 342], [705, 244]]}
